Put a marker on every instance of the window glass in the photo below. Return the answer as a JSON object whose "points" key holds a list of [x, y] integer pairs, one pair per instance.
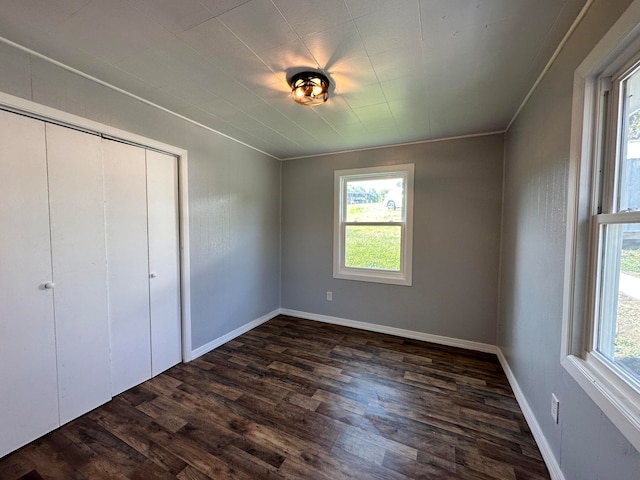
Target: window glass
{"points": [[629, 161], [618, 338], [373, 246], [375, 200]]}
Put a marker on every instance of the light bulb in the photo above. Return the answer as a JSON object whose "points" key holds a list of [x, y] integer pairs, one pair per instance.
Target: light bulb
{"points": [[309, 88]]}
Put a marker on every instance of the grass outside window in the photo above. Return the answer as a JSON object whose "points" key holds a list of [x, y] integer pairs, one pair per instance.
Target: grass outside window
{"points": [[627, 342], [373, 247]]}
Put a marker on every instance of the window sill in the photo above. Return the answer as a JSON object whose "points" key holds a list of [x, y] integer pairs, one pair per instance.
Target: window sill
{"points": [[374, 276], [621, 410]]}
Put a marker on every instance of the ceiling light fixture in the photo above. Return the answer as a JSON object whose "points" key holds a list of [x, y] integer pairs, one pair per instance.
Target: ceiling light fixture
{"points": [[309, 88]]}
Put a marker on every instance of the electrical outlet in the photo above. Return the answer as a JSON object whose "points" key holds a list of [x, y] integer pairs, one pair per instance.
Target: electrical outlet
{"points": [[555, 406], [329, 296]]}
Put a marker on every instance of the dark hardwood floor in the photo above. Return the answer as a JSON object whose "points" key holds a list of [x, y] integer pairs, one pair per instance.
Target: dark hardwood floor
{"points": [[297, 399]]}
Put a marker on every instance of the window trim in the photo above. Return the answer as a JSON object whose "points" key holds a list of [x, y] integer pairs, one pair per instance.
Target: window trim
{"points": [[340, 271], [617, 400]]}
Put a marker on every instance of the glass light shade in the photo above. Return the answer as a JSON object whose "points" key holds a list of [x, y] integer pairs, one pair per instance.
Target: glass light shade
{"points": [[309, 88]]}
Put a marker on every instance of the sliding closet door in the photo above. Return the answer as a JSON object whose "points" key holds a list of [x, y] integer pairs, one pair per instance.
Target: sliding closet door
{"points": [[29, 392], [128, 264], [164, 263], [79, 270]]}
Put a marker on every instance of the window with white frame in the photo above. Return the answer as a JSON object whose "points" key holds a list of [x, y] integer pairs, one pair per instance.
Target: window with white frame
{"points": [[615, 227], [601, 334], [373, 214]]}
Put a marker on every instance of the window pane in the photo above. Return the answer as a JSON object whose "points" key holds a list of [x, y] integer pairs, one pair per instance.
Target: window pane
{"points": [[629, 167], [375, 247], [375, 200], [619, 325]]}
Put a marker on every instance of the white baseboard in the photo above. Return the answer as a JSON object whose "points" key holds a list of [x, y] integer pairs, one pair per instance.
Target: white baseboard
{"points": [[534, 426], [399, 332], [207, 347]]}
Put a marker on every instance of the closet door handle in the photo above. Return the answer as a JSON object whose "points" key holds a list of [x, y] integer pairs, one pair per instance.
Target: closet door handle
{"points": [[49, 285], [153, 275]]}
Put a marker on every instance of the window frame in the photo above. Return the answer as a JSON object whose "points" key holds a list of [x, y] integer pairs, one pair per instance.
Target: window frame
{"points": [[593, 148], [340, 270]]}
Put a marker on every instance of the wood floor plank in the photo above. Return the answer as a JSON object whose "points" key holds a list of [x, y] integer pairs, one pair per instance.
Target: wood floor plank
{"points": [[296, 399], [118, 416]]}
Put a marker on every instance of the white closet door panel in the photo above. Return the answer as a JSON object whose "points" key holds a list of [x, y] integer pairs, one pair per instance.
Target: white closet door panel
{"points": [[164, 263], [29, 392], [128, 264], [79, 270]]}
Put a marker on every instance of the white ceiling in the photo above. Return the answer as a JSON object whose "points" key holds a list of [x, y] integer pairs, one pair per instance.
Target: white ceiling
{"points": [[401, 70]]}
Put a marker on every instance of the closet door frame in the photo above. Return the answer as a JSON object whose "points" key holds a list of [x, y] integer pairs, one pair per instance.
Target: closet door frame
{"points": [[26, 107]]}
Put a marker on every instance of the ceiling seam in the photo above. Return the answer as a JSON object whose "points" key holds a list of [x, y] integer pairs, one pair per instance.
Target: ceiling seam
{"points": [[555, 55], [421, 25], [419, 142], [298, 35], [213, 15], [129, 94], [373, 69]]}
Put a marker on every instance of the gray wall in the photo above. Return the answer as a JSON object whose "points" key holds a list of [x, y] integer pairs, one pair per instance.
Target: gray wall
{"points": [[458, 189], [234, 193], [585, 443]]}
